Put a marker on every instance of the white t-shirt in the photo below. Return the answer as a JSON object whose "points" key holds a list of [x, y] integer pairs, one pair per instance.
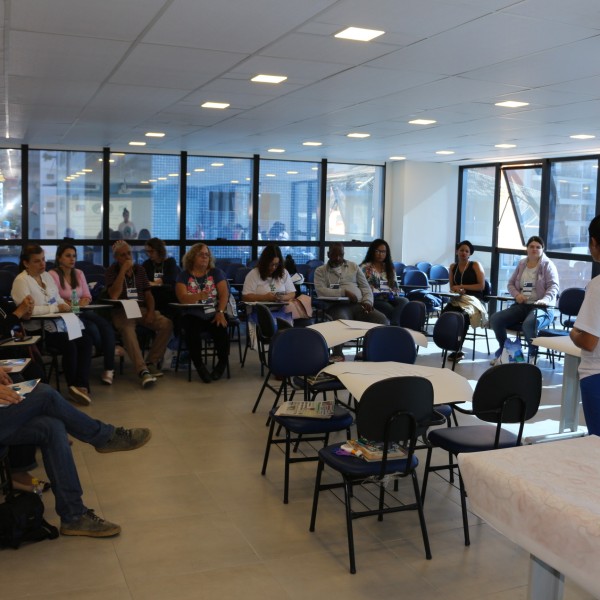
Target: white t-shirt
{"points": [[253, 284], [588, 320]]}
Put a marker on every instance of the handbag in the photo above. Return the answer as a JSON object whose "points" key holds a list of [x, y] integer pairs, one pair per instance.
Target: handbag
{"points": [[300, 307], [512, 352]]}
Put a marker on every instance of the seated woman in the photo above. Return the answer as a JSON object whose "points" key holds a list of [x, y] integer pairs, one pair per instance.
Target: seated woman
{"points": [[270, 282], [201, 283], [67, 278], [467, 279], [534, 286], [34, 281], [162, 274], [381, 275]]}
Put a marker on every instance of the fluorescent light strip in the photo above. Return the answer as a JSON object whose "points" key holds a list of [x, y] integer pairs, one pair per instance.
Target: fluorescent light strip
{"points": [[137, 143], [512, 104], [268, 78], [312, 143], [358, 135], [155, 134], [422, 122], [218, 105], [582, 136]]}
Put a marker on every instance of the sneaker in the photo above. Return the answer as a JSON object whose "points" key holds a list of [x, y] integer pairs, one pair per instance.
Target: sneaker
{"points": [[79, 395], [154, 370], [147, 379], [90, 525], [107, 377], [126, 439]]}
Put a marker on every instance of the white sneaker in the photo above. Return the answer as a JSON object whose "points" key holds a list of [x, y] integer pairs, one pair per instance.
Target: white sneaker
{"points": [[107, 377]]}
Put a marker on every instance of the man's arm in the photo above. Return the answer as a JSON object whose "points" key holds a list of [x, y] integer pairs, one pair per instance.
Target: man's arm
{"points": [[583, 339], [321, 284]]}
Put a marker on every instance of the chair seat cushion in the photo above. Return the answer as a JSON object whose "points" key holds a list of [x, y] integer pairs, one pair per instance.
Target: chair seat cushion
{"points": [[470, 438], [340, 420], [552, 333], [357, 467]]}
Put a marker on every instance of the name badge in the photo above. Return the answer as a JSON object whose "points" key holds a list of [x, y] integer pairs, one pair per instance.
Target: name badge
{"points": [[209, 310], [527, 289], [132, 293], [158, 276], [335, 286]]}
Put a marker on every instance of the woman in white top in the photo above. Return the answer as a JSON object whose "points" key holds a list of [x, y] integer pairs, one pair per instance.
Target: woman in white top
{"points": [[269, 281], [34, 281]]}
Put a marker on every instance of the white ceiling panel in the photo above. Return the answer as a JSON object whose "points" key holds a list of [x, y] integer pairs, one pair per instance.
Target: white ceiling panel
{"points": [[110, 19], [171, 66], [233, 26]]}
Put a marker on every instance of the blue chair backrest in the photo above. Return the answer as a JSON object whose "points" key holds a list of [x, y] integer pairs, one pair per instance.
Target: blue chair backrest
{"points": [[570, 301], [298, 351], [414, 315], [240, 275], [424, 266], [448, 331], [389, 343], [304, 270], [415, 278], [439, 272], [6, 282], [231, 269]]}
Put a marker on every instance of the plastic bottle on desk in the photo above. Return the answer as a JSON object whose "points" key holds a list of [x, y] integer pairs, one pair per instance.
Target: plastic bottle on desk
{"points": [[75, 302]]}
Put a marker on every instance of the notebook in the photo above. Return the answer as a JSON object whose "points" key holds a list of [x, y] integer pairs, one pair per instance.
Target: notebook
{"points": [[318, 409]]}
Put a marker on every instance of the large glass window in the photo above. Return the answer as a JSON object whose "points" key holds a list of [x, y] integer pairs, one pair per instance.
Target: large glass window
{"points": [[10, 194], [219, 198], [288, 200], [520, 199], [144, 196], [65, 194], [478, 185], [354, 202], [572, 204]]}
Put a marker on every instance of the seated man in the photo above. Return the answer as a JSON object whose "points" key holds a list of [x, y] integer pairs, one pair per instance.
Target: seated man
{"points": [[340, 278], [126, 280], [45, 419]]}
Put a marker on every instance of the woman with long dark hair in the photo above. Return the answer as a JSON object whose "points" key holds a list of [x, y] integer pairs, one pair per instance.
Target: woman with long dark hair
{"points": [[67, 279], [381, 275]]}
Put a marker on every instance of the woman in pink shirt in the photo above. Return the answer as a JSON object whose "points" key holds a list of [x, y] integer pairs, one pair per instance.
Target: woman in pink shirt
{"points": [[67, 278]]}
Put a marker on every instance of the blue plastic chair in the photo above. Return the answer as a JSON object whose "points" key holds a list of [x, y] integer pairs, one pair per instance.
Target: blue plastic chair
{"points": [[389, 343], [300, 352]]}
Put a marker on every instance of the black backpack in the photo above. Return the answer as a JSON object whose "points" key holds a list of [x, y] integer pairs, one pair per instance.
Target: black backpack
{"points": [[22, 520]]}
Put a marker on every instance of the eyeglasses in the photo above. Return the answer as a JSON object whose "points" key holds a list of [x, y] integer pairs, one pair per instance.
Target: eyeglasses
{"points": [[380, 251], [204, 254]]}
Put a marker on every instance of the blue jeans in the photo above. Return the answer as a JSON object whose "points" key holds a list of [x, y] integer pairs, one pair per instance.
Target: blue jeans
{"points": [[44, 418], [102, 333], [590, 400], [529, 316]]}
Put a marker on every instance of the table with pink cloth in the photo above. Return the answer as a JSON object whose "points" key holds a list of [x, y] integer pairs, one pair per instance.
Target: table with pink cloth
{"points": [[546, 499]]}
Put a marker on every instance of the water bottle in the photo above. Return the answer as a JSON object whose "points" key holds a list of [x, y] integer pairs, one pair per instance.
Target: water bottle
{"points": [[74, 302]]}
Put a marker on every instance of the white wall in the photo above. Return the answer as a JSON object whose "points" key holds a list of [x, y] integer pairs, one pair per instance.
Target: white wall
{"points": [[420, 212]]}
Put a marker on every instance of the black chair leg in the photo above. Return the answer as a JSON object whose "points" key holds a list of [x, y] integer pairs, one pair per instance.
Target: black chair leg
{"points": [[421, 516], [268, 448], [313, 514], [463, 504]]}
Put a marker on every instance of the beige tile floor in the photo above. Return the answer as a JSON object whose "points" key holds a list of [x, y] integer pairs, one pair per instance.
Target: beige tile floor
{"points": [[199, 521]]}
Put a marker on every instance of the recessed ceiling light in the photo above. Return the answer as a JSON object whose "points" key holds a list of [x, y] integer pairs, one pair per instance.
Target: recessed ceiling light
{"points": [[219, 105], [445, 152], [173, 174], [312, 143], [87, 170], [314, 168], [162, 178], [234, 181], [118, 153], [358, 135], [512, 104], [199, 170], [582, 136], [359, 34], [292, 172], [156, 134], [505, 146], [270, 175], [422, 122], [217, 164], [397, 157], [111, 160], [247, 178], [137, 143], [152, 180], [144, 181], [269, 78], [276, 150]]}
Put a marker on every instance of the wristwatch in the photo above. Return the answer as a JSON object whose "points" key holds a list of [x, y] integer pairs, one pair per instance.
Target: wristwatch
{"points": [[221, 311]]}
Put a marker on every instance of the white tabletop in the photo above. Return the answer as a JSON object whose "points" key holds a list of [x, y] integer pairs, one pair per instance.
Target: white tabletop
{"points": [[357, 376], [546, 498], [560, 343], [345, 330]]}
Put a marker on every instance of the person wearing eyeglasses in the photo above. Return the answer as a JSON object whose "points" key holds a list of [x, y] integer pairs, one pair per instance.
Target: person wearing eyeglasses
{"points": [[381, 275], [128, 281]]}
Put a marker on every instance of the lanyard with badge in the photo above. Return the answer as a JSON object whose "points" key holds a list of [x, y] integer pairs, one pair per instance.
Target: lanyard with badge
{"points": [[132, 293]]}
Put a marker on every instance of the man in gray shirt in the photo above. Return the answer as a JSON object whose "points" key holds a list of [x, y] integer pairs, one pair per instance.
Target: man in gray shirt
{"points": [[339, 278]]}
